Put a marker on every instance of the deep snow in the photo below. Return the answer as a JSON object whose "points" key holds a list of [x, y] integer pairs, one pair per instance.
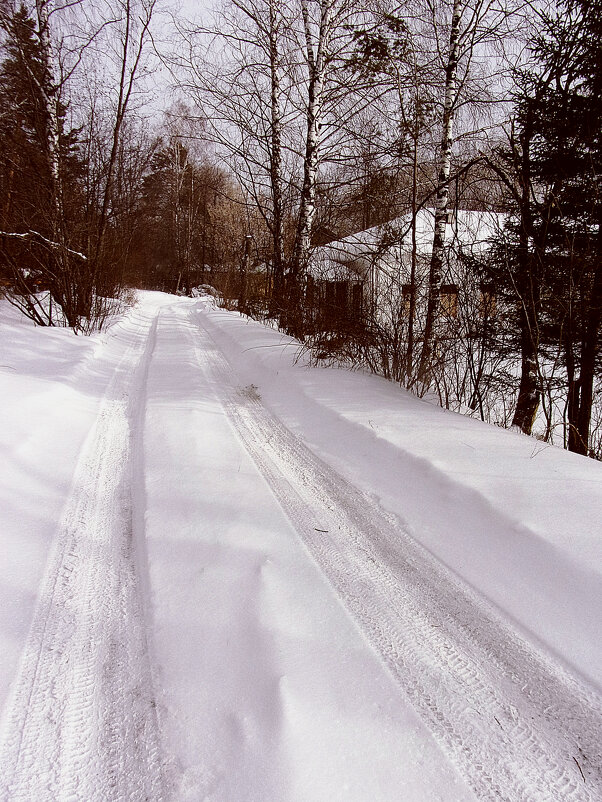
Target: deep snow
{"points": [[269, 531], [519, 520]]}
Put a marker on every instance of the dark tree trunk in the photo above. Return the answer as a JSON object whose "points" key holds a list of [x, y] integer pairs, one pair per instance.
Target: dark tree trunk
{"points": [[277, 298], [581, 392], [528, 393], [530, 294], [243, 299]]}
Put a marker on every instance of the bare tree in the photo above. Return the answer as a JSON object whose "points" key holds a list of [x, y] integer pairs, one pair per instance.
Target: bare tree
{"points": [[71, 252], [327, 102], [441, 202], [130, 36], [474, 27], [239, 73]]}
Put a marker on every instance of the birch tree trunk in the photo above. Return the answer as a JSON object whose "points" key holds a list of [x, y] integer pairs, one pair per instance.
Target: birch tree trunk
{"points": [[50, 91], [316, 55], [243, 289], [248, 97], [60, 267], [442, 197]]}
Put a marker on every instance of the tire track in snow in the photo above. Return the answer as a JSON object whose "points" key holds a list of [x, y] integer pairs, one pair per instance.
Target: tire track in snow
{"points": [[518, 726], [81, 722]]}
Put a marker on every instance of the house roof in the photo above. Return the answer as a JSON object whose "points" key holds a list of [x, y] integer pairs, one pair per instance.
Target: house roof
{"points": [[385, 244]]}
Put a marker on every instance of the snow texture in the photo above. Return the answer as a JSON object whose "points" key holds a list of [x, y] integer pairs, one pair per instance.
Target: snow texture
{"points": [[227, 575]]}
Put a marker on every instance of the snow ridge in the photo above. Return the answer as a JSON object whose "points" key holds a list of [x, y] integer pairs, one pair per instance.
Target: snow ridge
{"points": [[515, 723], [81, 723]]}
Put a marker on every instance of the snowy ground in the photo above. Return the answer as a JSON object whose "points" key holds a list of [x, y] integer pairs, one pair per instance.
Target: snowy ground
{"points": [[228, 576]]}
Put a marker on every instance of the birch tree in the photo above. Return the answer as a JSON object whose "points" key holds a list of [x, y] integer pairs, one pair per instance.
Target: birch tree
{"points": [[327, 34], [442, 196], [239, 72], [403, 82], [474, 27], [275, 23], [260, 76]]}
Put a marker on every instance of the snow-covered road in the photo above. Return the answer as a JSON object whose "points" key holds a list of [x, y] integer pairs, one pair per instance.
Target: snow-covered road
{"points": [[225, 616], [81, 723]]}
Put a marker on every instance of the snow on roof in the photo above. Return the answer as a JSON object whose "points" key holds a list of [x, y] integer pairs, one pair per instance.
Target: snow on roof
{"points": [[470, 230]]}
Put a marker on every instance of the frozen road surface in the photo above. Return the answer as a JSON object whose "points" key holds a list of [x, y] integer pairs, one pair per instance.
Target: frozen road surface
{"points": [[224, 611]]}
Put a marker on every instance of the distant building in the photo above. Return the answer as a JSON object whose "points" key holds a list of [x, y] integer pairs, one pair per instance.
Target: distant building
{"points": [[368, 269]]}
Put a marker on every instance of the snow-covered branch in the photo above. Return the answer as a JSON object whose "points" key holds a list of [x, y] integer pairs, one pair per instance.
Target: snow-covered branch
{"points": [[35, 235]]}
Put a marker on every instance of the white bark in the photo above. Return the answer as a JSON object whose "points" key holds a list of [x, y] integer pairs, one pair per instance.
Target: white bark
{"points": [[442, 197], [316, 55], [50, 91], [243, 78], [447, 134]]}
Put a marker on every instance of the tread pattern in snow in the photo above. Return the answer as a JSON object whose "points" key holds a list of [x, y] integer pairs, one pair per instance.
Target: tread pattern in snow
{"points": [[517, 725], [81, 722]]}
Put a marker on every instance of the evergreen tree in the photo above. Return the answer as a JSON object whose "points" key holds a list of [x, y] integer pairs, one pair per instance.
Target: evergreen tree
{"points": [[22, 126], [567, 158], [28, 186], [547, 264]]}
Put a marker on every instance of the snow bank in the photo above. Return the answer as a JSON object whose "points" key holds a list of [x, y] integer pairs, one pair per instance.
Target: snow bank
{"points": [[518, 520], [45, 418]]}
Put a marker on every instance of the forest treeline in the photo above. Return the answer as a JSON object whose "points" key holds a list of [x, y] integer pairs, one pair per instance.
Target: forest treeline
{"points": [[289, 126]]}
